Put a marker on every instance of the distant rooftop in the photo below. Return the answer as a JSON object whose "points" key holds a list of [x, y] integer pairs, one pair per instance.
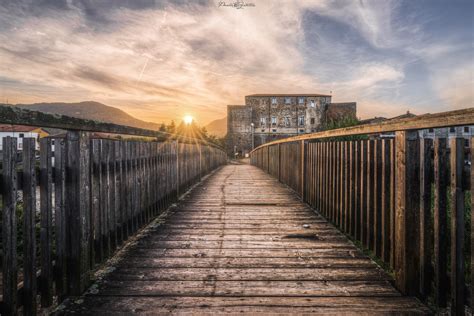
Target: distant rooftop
{"points": [[16, 128], [288, 95]]}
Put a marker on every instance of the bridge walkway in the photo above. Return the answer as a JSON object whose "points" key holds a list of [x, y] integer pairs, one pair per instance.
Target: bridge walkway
{"points": [[241, 242]]}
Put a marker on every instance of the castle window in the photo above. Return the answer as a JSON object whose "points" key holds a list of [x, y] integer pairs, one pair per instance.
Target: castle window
{"points": [[466, 129], [301, 120], [274, 100], [301, 100], [430, 130], [263, 121], [287, 100], [263, 130], [312, 120], [301, 130], [287, 121], [452, 129], [22, 135], [274, 120], [312, 104], [274, 130]]}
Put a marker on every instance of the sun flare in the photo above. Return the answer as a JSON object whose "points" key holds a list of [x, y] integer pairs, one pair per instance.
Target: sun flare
{"points": [[188, 119]]}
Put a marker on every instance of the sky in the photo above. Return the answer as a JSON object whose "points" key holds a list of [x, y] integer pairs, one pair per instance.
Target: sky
{"points": [[161, 60]]}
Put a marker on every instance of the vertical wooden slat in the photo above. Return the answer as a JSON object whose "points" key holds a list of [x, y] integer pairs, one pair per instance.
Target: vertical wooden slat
{"points": [[346, 187], [9, 226], [370, 210], [104, 198], [60, 216], [351, 188], [426, 175], [440, 224], [78, 210], [363, 192], [302, 168], [337, 178], [472, 222], [377, 198], [330, 180], [357, 190], [29, 224], [46, 236], [96, 200], [125, 191], [457, 226], [334, 157], [340, 197], [118, 195], [386, 199], [407, 210], [112, 188], [393, 246]]}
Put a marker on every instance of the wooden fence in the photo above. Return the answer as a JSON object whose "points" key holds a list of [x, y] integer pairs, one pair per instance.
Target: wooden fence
{"points": [[405, 198], [93, 195]]}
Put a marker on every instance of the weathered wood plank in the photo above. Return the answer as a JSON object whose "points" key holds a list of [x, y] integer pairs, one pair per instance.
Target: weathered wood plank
{"points": [[29, 224], [407, 211], [9, 226], [178, 305], [78, 210], [472, 222], [386, 199], [60, 219], [426, 178], [457, 225], [249, 274], [96, 201], [440, 222], [46, 211]]}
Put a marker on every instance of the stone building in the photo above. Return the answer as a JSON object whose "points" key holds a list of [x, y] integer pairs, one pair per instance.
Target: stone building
{"points": [[267, 117]]}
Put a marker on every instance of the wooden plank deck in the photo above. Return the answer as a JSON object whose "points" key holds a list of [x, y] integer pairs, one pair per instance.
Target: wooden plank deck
{"points": [[237, 244]]}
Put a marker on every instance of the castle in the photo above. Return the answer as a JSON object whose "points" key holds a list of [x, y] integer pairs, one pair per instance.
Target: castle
{"points": [[268, 117]]}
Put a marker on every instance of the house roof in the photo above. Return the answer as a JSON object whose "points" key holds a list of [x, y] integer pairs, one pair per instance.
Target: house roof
{"points": [[16, 128], [289, 95]]}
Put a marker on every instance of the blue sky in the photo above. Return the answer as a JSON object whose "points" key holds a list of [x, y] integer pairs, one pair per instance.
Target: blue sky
{"points": [[160, 60]]}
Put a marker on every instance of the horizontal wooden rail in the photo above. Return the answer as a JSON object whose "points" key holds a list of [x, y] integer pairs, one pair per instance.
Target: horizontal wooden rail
{"points": [[16, 115], [405, 199], [437, 120]]}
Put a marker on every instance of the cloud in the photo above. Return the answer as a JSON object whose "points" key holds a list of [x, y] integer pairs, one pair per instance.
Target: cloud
{"points": [[457, 88], [161, 60]]}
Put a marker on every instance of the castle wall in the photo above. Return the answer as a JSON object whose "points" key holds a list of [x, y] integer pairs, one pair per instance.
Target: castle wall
{"points": [[279, 116]]}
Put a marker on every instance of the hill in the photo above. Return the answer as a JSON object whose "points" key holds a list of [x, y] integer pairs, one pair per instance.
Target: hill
{"points": [[91, 110], [217, 127]]}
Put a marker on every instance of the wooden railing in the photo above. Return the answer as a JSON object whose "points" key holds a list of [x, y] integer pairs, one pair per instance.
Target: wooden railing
{"points": [[405, 198], [81, 200]]}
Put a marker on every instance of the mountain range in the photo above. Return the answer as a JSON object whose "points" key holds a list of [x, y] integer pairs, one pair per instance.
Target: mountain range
{"points": [[100, 112]]}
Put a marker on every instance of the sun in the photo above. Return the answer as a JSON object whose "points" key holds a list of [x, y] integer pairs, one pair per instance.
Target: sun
{"points": [[188, 119]]}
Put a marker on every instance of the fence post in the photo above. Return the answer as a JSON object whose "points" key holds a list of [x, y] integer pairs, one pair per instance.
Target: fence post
{"points": [[77, 210], [46, 236], [9, 227], [407, 197], [302, 168], [200, 161], [176, 145]]}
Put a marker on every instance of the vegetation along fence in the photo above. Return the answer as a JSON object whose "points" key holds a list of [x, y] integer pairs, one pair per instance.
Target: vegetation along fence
{"points": [[404, 197], [68, 207]]}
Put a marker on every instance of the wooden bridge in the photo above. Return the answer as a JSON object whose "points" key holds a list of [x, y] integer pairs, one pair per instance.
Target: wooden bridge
{"points": [[241, 242], [371, 219]]}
